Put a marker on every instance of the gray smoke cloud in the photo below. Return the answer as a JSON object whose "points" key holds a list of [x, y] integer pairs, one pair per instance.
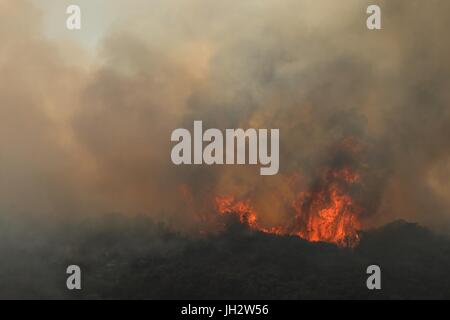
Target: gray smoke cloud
{"points": [[85, 135]]}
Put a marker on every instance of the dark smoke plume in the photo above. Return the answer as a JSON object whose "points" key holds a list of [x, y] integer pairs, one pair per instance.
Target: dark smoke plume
{"points": [[82, 133]]}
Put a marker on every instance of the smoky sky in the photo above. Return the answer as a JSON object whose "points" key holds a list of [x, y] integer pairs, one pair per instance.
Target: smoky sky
{"points": [[87, 130]]}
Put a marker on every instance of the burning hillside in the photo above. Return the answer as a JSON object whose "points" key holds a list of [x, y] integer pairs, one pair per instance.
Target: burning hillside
{"points": [[326, 214], [326, 211]]}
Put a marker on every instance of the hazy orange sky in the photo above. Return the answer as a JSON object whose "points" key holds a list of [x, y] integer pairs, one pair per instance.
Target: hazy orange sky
{"points": [[86, 116]]}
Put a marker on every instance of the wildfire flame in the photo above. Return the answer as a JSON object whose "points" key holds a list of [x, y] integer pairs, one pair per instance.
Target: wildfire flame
{"points": [[327, 213]]}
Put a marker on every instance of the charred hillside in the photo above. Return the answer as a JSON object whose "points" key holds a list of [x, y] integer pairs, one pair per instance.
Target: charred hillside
{"points": [[136, 258]]}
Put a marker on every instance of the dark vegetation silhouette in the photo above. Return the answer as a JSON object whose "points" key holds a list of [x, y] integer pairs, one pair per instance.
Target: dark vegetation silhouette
{"points": [[135, 258]]}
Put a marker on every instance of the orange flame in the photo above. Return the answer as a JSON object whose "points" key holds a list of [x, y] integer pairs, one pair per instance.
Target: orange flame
{"points": [[327, 214], [228, 205]]}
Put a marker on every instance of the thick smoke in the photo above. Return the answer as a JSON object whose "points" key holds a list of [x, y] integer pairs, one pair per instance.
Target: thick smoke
{"points": [[85, 135]]}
